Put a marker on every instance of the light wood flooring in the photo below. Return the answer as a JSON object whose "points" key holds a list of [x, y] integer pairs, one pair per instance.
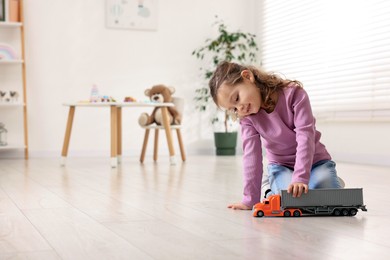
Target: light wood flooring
{"points": [[87, 210]]}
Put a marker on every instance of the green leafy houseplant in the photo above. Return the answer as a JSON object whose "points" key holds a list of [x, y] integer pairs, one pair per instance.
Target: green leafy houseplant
{"points": [[232, 46]]}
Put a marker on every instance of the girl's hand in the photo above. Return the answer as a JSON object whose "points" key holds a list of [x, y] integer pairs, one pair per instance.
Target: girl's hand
{"points": [[297, 189], [239, 206]]}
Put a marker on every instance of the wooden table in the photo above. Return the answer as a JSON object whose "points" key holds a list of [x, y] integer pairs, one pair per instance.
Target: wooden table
{"points": [[116, 126]]}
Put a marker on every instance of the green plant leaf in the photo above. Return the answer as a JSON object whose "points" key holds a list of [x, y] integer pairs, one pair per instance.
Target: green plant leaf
{"points": [[232, 46]]}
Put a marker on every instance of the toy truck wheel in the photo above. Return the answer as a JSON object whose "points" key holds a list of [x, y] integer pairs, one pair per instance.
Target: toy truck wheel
{"points": [[287, 213], [352, 212], [345, 212], [336, 212], [260, 213], [296, 213]]}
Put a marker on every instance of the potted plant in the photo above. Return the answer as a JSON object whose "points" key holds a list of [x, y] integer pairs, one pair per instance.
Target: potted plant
{"points": [[232, 46]]}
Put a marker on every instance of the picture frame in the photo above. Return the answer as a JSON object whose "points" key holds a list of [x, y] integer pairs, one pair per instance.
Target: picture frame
{"points": [[130, 14]]}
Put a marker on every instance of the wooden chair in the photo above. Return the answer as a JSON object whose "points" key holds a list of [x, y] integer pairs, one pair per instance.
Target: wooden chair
{"points": [[179, 104]]}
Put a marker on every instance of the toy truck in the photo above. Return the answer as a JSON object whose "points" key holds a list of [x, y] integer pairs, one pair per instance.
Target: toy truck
{"points": [[337, 202]]}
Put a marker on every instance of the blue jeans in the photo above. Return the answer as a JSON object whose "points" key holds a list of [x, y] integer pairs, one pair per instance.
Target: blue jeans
{"points": [[323, 175]]}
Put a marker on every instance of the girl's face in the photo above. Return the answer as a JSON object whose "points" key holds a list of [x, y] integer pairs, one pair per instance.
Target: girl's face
{"points": [[243, 99]]}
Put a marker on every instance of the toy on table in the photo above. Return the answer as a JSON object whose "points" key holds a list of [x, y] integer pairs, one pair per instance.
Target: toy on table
{"points": [[95, 97], [129, 99], [336, 202], [160, 94], [106, 98], [94, 94]]}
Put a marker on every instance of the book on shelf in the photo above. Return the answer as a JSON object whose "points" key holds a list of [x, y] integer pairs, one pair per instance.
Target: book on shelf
{"points": [[10, 10], [14, 10], [2, 11]]}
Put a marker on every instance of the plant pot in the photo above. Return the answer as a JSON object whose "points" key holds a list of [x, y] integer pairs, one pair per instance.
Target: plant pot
{"points": [[225, 143]]}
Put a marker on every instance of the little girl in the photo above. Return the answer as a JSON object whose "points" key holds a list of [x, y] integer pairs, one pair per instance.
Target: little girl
{"points": [[277, 113]]}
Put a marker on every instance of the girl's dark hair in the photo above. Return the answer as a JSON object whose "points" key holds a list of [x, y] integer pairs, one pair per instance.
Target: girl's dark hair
{"points": [[230, 73]]}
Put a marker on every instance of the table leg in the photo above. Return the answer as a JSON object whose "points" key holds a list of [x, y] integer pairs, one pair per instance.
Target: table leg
{"points": [[68, 131], [114, 136], [168, 133], [119, 131]]}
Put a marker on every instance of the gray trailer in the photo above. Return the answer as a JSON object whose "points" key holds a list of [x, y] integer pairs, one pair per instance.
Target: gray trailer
{"points": [[345, 202]]}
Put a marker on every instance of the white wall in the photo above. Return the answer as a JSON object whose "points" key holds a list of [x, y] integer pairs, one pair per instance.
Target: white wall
{"points": [[68, 48], [358, 142]]}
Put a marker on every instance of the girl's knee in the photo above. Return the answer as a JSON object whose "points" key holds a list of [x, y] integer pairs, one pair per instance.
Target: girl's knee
{"points": [[279, 177], [324, 176]]}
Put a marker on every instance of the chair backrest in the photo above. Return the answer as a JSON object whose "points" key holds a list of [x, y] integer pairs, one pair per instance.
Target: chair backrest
{"points": [[179, 104]]}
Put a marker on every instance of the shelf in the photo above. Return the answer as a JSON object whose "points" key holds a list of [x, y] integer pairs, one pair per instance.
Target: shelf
{"points": [[11, 61], [10, 24], [9, 104], [12, 147]]}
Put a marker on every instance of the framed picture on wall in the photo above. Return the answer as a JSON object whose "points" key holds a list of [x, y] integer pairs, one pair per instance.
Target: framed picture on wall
{"points": [[132, 14]]}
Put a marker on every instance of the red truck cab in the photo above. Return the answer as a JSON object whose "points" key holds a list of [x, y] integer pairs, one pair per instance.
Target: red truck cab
{"points": [[271, 207]]}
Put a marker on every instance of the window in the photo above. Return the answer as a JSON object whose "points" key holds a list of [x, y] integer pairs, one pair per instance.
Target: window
{"points": [[338, 49]]}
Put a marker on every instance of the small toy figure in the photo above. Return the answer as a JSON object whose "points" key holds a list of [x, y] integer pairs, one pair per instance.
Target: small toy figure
{"points": [[14, 96], [94, 94], [160, 94], [9, 96], [106, 98], [3, 135], [2, 95], [129, 99], [95, 97]]}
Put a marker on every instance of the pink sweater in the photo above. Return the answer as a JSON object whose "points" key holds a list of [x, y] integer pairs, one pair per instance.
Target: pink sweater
{"points": [[289, 137]]}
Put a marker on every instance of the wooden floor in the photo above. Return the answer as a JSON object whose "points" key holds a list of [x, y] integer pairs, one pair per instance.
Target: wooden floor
{"points": [[87, 210]]}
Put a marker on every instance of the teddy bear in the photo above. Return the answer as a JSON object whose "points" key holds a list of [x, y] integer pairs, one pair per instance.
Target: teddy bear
{"points": [[160, 94]]}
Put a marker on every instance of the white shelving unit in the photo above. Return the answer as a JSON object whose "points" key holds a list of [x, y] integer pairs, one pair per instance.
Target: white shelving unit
{"points": [[13, 77]]}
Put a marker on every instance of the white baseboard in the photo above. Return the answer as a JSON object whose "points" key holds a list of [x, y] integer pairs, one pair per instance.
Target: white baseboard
{"points": [[370, 159], [12, 154], [127, 153]]}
